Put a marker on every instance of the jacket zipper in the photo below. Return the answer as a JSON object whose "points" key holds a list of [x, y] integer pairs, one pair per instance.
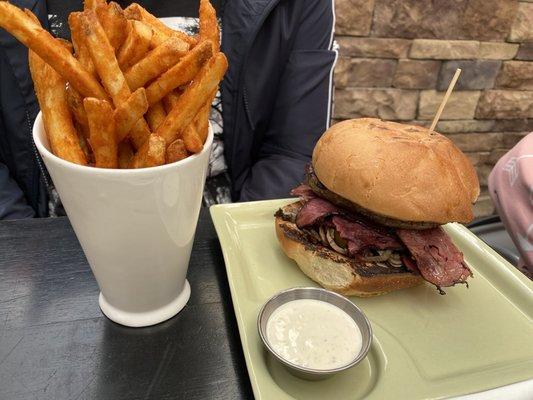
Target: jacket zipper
{"points": [[37, 157], [247, 108]]}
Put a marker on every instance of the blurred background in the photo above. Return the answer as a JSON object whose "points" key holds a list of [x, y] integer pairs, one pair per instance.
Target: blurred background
{"points": [[397, 57]]}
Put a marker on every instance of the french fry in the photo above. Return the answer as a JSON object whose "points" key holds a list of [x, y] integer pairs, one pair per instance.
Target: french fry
{"points": [[102, 132], [193, 98], [80, 49], [171, 99], [151, 154], [155, 115], [136, 45], [192, 141], [176, 151], [92, 4], [111, 17], [125, 154], [32, 35], [85, 147], [129, 112], [201, 121], [208, 24], [50, 90], [75, 104], [156, 62], [181, 73], [161, 31], [104, 59], [67, 45], [109, 71]]}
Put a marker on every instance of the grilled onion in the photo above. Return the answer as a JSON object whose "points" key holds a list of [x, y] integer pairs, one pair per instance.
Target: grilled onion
{"points": [[331, 240], [322, 233], [384, 255]]}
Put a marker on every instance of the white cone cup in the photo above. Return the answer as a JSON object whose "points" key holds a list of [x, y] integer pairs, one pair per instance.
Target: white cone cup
{"points": [[136, 228]]}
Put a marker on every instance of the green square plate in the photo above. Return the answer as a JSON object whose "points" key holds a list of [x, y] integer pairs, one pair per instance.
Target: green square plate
{"points": [[425, 345]]}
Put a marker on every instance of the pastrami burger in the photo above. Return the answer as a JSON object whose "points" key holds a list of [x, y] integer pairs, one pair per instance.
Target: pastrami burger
{"points": [[369, 216]]}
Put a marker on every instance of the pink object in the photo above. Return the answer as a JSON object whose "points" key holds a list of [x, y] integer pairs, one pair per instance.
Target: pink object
{"points": [[511, 189]]}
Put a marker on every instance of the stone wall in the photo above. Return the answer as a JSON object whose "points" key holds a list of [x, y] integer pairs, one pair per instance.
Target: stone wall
{"points": [[397, 57]]}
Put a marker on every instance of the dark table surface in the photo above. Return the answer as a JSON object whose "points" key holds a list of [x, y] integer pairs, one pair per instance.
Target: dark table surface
{"points": [[56, 344]]}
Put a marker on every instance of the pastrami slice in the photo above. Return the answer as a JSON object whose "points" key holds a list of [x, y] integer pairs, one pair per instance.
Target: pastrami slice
{"points": [[437, 258]]}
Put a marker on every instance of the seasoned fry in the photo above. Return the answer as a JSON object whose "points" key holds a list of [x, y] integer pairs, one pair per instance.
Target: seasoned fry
{"points": [[171, 99], [80, 49], [156, 62], [176, 151], [32, 35], [111, 17], [136, 45], [75, 104], [209, 29], [50, 90], [125, 154], [129, 112], [104, 58], [191, 139], [201, 121], [195, 96], [85, 147], [161, 31], [102, 132], [155, 115], [181, 73], [92, 4], [109, 72], [151, 154]]}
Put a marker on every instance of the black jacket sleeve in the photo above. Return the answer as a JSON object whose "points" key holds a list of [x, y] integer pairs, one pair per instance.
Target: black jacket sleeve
{"points": [[301, 110]]}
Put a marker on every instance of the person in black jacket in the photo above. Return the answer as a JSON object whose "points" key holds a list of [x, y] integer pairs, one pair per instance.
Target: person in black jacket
{"points": [[276, 99]]}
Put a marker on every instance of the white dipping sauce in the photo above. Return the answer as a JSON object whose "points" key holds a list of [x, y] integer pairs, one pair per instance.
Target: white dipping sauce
{"points": [[313, 334]]}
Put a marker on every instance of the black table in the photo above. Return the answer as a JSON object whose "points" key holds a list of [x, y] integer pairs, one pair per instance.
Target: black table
{"points": [[56, 344]]}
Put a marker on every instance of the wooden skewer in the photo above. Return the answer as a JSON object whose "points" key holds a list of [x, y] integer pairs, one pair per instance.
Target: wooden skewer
{"points": [[445, 100]]}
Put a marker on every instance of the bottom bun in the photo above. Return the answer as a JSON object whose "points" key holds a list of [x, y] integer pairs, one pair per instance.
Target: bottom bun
{"points": [[336, 272]]}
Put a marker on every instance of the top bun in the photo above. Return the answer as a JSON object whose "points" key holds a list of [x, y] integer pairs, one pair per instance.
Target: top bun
{"points": [[398, 171]]}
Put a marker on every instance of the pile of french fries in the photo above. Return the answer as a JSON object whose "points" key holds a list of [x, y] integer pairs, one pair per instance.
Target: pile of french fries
{"points": [[128, 91]]}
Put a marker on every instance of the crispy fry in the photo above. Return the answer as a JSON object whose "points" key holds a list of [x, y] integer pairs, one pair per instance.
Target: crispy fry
{"points": [[171, 99], [75, 103], [85, 147], [136, 45], [104, 58], [50, 90], [102, 132], [191, 139], [107, 68], [32, 35], [129, 112], [125, 154], [155, 115], [181, 73], [111, 17], [67, 45], [80, 48], [151, 154], [92, 4], [209, 29], [176, 151], [156, 62], [195, 96], [201, 121], [161, 31]]}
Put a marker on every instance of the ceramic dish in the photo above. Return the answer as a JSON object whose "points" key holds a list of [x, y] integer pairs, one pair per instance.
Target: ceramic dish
{"points": [[425, 345]]}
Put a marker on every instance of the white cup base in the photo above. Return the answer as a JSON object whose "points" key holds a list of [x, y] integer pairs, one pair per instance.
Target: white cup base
{"points": [[137, 320]]}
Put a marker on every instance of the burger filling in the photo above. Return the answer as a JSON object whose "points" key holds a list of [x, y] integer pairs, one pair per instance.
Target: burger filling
{"points": [[429, 252]]}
